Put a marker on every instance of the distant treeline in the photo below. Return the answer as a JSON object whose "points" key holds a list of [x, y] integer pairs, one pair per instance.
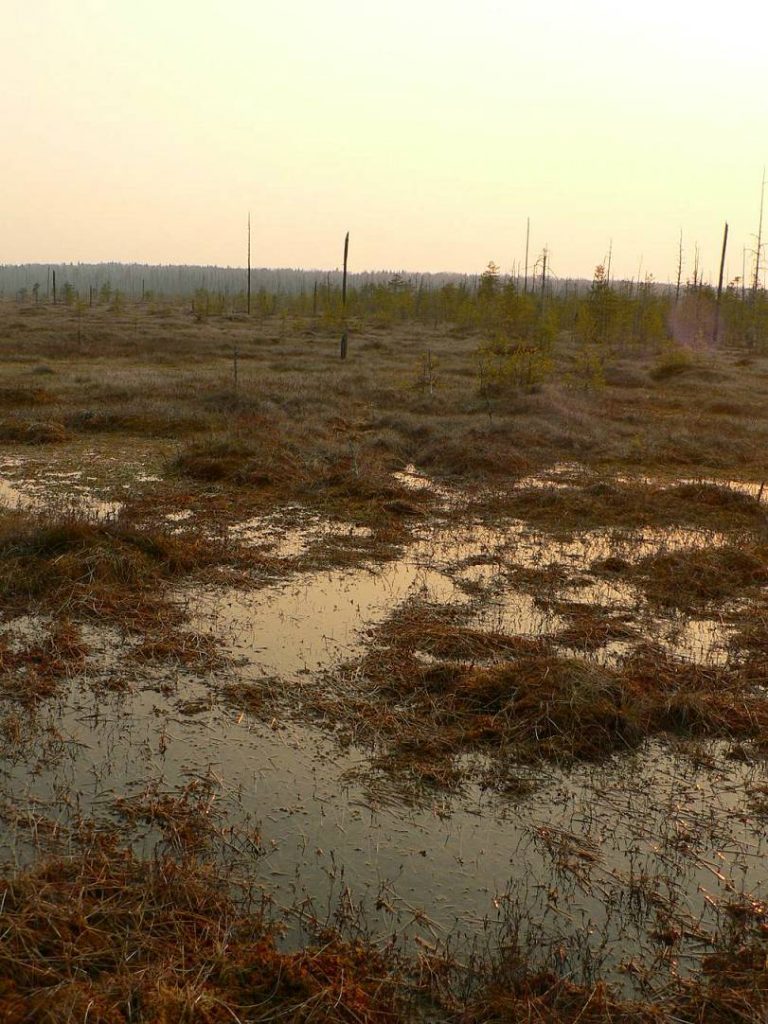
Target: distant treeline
{"points": [[135, 280], [521, 320]]}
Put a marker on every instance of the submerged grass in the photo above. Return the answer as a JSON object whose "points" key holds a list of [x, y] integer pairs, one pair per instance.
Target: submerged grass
{"points": [[77, 569], [519, 700], [105, 937], [108, 938]]}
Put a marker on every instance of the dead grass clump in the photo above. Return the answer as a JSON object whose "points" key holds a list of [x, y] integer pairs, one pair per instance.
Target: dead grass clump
{"points": [[516, 700], [357, 476], [473, 454], [318, 472], [143, 422], [623, 505], [32, 432], [590, 628], [716, 496], [688, 699], [229, 460], [671, 367], [107, 938], [535, 706], [89, 567], [566, 707], [439, 632], [685, 579]]}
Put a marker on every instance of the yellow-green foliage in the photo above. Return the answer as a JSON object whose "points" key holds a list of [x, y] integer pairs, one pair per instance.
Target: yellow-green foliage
{"points": [[508, 364]]}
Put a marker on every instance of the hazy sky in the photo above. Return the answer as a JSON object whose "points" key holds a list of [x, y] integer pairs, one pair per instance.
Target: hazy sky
{"points": [[145, 131]]}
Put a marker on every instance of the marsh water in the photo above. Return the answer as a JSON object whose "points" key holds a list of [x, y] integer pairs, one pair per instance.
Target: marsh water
{"points": [[586, 861]]}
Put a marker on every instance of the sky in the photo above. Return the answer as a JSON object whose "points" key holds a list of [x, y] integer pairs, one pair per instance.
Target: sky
{"points": [[146, 130]]}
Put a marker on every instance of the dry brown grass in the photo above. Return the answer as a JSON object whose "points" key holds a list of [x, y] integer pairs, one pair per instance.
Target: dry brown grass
{"points": [[610, 503], [689, 579], [324, 474], [102, 936], [85, 566], [21, 431], [519, 701], [110, 939], [135, 373]]}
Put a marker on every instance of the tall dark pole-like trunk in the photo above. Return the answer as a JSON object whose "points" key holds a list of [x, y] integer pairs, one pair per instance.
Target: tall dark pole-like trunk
{"points": [[527, 241], [758, 250], [716, 329], [679, 266], [248, 300], [343, 345], [543, 273]]}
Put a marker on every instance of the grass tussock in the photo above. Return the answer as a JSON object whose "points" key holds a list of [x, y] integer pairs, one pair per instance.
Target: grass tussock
{"points": [[687, 579], [476, 454], [17, 431], [327, 474], [77, 566], [625, 504], [519, 699], [136, 420], [674, 362]]}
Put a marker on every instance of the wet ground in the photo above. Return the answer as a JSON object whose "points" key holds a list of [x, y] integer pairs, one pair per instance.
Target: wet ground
{"points": [[594, 863]]}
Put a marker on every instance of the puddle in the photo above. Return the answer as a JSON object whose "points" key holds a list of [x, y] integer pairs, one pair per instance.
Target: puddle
{"points": [[561, 476], [320, 619], [76, 499], [415, 480], [582, 864], [316, 621], [292, 531], [176, 520], [704, 641], [517, 614], [535, 550]]}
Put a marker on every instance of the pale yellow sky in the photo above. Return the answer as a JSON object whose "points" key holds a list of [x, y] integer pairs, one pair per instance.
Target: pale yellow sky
{"points": [[145, 130]]}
